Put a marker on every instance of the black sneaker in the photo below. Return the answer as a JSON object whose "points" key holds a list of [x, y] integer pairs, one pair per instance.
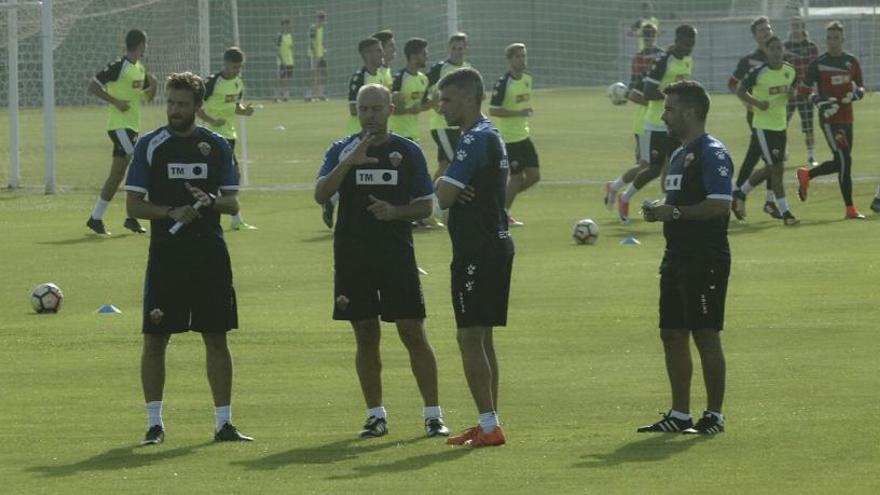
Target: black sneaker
{"points": [[738, 206], [97, 226], [327, 213], [374, 427], [435, 427], [709, 424], [155, 435], [229, 433], [133, 225], [667, 425], [789, 220], [771, 209], [875, 205]]}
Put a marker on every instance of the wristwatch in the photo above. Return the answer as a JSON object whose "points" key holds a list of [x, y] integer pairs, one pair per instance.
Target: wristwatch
{"points": [[676, 213]]}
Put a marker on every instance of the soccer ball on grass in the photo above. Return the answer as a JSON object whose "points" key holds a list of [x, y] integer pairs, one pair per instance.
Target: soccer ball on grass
{"points": [[585, 231], [46, 298]]}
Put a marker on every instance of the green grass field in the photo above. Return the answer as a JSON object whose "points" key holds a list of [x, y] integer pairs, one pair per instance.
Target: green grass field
{"points": [[581, 360]]}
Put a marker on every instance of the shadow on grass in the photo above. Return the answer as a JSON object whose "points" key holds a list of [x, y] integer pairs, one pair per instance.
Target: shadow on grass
{"points": [[326, 236], [119, 458], [414, 463], [344, 450], [86, 238], [656, 447]]}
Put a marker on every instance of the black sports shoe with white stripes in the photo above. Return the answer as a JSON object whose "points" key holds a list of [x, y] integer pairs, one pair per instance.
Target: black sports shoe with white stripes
{"points": [[374, 427], [709, 424], [667, 425]]}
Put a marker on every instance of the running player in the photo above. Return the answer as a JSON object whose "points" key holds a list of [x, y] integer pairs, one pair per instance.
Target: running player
{"points": [[800, 52], [389, 50]]}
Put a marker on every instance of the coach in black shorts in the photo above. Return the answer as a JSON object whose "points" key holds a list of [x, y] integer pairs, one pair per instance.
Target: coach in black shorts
{"points": [[473, 188], [189, 277], [383, 185], [696, 263]]}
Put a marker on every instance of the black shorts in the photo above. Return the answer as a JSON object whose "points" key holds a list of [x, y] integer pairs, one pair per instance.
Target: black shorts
{"points": [[481, 289], [522, 154], [123, 141], [189, 287], [285, 71], [661, 145], [839, 137], [805, 110], [316, 63], [377, 282], [692, 294], [234, 159], [447, 141], [772, 145]]}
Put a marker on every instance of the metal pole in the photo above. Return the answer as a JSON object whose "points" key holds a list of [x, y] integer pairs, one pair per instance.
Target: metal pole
{"points": [[14, 145], [451, 17], [242, 125], [46, 27], [204, 38]]}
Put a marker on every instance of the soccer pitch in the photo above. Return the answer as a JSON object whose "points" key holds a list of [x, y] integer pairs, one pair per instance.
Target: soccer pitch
{"points": [[581, 360]]}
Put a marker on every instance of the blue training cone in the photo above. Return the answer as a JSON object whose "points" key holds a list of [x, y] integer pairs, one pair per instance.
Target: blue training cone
{"points": [[630, 241], [108, 309]]}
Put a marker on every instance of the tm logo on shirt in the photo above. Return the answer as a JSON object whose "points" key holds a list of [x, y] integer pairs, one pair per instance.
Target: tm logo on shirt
{"points": [[188, 171]]}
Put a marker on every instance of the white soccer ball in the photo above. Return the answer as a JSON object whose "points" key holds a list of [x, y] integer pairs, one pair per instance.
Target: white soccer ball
{"points": [[46, 298], [586, 231], [617, 93]]}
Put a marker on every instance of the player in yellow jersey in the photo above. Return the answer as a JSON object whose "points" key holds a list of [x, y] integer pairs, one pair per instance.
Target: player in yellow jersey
{"points": [[284, 44], [444, 135], [317, 62], [408, 90], [767, 89], [124, 84], [511, 106], [223, 93], [389, 50]]}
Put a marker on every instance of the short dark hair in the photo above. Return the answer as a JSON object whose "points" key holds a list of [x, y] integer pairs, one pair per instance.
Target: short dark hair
{"points": [[384, 36], [134, 38], [692, 95], [414, 46], [285, 22], [465, 79], [233, 54], [458, 37], [772, 39], [189, 82], [757, 22], [685, 31], [321, 14], [366, 43], [834, 26]]}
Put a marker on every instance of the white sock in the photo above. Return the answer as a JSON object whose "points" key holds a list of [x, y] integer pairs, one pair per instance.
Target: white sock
{"points": [[100, 208], [877, 194], [378, 412], [782, 203], [433, 412], [334, 199], [488, 421], [629, 193], [745, 188], [617, 184], [223, 415], [811, 153], [154, 414], [770, 196], [679, 415], [718, 416], [237, 218]]}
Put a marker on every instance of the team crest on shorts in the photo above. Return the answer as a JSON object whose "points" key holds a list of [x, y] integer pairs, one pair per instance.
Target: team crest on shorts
{"points": [[204, 148], [775, 152], [395, 158], [655, 153]]}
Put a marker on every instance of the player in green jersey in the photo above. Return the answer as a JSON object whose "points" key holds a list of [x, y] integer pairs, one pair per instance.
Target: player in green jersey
{"points": [[317, 62], [408, 90], [511, 106], [124, 84], [389, 50], [222, 107], [284, 43], [767, 89]]}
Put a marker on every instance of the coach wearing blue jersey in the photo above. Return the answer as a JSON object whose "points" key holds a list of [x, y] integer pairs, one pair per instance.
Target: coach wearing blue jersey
{"points": [[696, 263], [383, 185], [473, 188], [174, 179]]}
